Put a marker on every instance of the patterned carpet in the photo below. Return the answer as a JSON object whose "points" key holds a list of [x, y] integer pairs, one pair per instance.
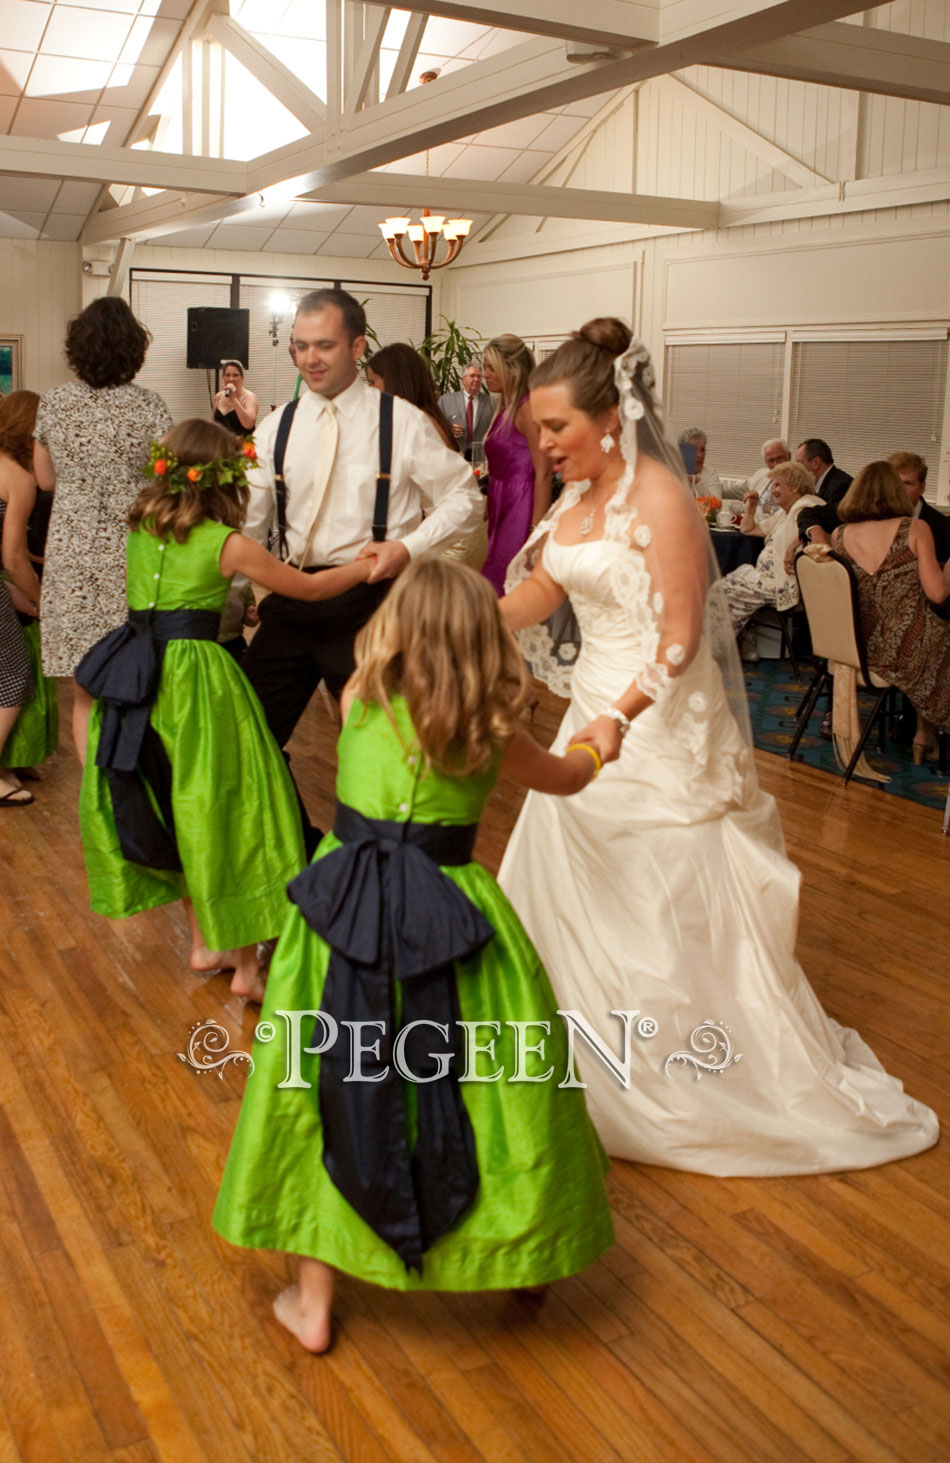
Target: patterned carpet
{"points": [[774, 695]]}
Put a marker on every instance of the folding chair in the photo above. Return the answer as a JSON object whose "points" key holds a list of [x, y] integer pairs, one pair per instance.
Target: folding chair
{"points": [[829, 596]]}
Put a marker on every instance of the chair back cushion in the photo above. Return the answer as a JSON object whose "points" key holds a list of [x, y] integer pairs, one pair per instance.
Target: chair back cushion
{"points": [[829, 598]]}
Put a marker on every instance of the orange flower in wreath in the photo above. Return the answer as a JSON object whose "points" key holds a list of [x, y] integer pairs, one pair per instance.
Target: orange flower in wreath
{"points": [[193, 474]]}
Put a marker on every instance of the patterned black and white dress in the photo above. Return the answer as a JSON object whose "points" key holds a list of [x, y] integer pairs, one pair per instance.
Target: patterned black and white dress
{"points": [[16, 680], [98, 440]]}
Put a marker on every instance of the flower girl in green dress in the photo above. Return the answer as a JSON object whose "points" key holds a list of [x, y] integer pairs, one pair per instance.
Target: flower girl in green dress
{"points": [[185, 793], [409, 1119]]}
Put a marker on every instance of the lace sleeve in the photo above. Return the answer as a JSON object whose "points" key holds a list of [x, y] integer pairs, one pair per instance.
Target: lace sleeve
{"points": [[661, 584]]}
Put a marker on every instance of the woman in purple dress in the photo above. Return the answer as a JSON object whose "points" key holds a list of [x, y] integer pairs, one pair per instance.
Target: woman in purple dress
{"points": [[519, 474]]}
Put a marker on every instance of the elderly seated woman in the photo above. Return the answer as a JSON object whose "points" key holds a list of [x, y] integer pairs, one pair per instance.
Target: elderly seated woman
{"points": [[767, 581]]}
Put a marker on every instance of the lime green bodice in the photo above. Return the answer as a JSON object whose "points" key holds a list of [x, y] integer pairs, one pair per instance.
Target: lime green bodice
{"points": [[166, 575], [382, 772]]}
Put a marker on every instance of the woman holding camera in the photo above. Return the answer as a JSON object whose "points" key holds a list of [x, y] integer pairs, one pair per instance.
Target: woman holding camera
{"points": [[235, 407]]}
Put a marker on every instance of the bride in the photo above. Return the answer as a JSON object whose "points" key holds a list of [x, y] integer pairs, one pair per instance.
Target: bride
{"points": [[663, 888]]}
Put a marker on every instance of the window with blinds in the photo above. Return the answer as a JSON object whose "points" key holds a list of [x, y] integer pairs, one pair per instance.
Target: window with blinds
{"points": [[869, 398], [393, 312], [162, 301], [733, 390]]}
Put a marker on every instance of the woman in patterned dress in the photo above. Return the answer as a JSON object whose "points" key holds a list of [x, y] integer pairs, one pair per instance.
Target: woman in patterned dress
{"points": [[893, 557], [92, 439]]}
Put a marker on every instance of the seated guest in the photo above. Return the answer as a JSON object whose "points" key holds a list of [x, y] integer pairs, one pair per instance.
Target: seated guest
{"points": [[892, 555], [773, 452], [469, 410], [831, 484], [912, 471], [705, 481], [768, 581]]}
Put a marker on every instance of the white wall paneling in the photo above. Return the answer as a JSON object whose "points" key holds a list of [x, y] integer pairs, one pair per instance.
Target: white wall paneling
{"points": [[41, 294]]}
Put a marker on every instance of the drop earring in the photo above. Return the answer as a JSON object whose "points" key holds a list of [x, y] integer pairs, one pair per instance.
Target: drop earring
{"points": [[606, 444]]}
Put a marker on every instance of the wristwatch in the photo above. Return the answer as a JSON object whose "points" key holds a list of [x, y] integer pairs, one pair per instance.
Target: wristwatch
{"points": [[617, 715]]}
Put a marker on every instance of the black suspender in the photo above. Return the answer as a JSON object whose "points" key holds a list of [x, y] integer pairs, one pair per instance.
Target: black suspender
{"points": [[280, 487], [381, 505]]}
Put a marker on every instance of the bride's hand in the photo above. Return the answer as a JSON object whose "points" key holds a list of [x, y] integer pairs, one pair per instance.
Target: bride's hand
{"points": [[604, 735]]}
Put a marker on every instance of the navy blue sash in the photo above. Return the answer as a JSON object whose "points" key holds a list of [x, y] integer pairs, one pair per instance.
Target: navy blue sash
{"points": [[388, 912], [123, 670]]}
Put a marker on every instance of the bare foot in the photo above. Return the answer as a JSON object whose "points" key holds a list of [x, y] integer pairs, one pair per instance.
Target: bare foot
{"points": [[248, 983], [203, 961], [313, 1329]]}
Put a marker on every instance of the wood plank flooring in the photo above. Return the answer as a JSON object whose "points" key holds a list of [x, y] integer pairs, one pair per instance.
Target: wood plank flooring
{"points": [[789, 1319]]}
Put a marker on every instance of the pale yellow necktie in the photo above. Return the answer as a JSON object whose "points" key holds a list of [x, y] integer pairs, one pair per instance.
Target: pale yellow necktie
{"points": [[329, 436]]}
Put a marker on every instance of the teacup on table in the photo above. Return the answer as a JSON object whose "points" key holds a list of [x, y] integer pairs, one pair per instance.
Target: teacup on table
{"points": [[724, 518]]}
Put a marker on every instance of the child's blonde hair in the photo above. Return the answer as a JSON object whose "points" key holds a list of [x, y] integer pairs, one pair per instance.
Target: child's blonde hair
{"points": [[438, 639], [170, 506]]}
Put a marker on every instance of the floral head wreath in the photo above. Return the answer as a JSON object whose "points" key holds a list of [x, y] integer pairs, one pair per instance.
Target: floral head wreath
{"points": [[177, 478]]}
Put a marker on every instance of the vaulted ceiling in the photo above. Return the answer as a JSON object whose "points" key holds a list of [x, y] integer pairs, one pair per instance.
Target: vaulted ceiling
{"points": [[293, 126]]}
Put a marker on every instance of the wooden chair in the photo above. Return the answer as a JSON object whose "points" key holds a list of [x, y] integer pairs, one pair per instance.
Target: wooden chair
{"points": [[829, 597]]}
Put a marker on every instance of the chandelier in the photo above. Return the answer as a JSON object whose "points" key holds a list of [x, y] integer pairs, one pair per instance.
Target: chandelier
{"points": [[424, 236]]}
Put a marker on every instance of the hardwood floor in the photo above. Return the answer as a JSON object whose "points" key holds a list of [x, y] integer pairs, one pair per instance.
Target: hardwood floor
{"points": [[738, 1319]]}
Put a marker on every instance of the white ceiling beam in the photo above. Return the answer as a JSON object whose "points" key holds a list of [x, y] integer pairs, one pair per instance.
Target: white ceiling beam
{"points": [[621, 23], [119, 273], [573, 150], [367, 61], [279, 80], [751, 22], [856, 57], [408, 51], [730, 126], [164, 213], [397, 190], [896, 190], [127, 166], [528, 78], [519, 82]]}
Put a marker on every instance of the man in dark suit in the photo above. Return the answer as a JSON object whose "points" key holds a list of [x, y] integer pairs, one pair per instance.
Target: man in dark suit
{"points": [[469, 411], [912, 471], [816, 525]]}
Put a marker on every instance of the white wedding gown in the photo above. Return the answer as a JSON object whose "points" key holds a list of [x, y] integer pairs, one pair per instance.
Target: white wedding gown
{"points": [[664, 887]]}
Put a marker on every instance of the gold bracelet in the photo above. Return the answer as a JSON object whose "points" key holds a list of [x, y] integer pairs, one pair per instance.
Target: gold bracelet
{"points": [[586, 747]]}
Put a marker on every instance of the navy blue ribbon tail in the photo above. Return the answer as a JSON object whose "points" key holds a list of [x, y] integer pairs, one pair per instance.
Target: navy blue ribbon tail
{"points": [[389, 913], [123, 670]]}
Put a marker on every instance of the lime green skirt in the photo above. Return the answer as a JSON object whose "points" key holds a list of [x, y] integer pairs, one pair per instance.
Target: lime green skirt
{"points": [[541, 1211], [35, 734], [237, 821]]}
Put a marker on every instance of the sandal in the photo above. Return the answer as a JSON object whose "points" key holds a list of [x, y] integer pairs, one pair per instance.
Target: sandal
{"points": [[17, 797]]}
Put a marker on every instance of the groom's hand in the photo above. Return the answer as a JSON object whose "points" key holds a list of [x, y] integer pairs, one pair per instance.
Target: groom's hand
{"points": [[391, 558]]}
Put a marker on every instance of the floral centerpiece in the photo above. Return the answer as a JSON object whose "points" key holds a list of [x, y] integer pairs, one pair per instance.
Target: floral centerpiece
{"points": [[709, 507]]}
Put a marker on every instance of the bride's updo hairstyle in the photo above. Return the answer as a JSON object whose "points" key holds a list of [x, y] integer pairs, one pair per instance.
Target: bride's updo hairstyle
{"points": [[586, 362]]}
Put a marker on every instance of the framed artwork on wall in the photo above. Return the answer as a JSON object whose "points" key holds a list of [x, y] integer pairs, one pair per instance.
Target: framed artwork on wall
{"points": [[10, 354]]}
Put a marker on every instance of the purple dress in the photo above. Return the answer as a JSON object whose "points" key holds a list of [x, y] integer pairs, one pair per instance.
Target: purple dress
{"points": [[510, 497]]}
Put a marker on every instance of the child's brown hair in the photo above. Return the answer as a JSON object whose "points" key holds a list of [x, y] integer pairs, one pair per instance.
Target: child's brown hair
{"points": [[170, 504], [439, 640]]}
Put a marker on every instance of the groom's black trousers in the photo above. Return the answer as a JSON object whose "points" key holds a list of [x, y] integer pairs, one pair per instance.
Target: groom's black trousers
{"points": [[299, 644]]}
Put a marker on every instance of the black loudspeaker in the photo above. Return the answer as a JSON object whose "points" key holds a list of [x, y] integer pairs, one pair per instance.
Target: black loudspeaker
{"points": [[216, 335]]}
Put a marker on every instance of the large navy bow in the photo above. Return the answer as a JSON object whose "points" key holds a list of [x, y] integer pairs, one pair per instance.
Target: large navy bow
{"points": [[386, 909], [122, 670]]}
